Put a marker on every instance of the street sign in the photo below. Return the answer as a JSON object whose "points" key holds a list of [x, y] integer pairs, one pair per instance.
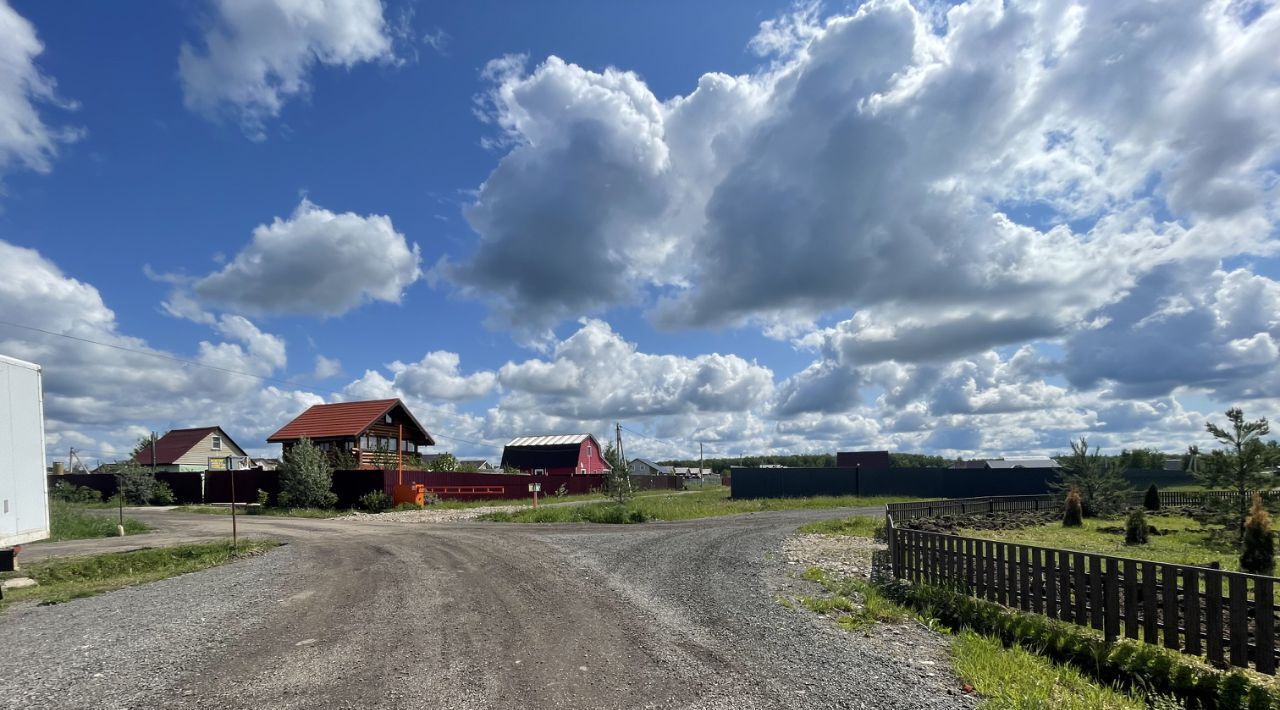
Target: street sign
{"points": [[535, 487]]}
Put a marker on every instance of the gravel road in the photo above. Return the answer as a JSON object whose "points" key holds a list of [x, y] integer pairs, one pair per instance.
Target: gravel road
{"points": [[377, 614]]}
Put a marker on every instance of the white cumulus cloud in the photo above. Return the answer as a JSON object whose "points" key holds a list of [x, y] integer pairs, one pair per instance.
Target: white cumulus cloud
{"points": [[26, 140], [316, 262], [256, 55]]}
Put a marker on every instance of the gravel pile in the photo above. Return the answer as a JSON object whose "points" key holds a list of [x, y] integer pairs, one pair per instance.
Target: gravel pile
{"points": [[428, 515], [847, 556]]}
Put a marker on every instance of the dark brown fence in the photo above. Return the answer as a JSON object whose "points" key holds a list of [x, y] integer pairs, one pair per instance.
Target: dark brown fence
{"points": [[1229, 617]]}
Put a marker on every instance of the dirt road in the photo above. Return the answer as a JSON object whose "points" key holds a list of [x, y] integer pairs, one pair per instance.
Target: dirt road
{"points": [[367, 614]]}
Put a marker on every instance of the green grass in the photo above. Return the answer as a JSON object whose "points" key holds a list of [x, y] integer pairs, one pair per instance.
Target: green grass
{"points": [[278, 512], [62, 580], [853, 603], [856, 526], [1187, 542], [1016, 679], [685, 506], [71, 521]]}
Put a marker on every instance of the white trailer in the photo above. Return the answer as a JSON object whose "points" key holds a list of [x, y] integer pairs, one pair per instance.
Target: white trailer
{"points": [[24, 498]]}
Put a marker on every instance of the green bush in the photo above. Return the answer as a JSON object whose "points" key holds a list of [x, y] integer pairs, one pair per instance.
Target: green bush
{"points": [[1258, 549], [264, 501], [376, 502], [306, 477], [162, 494], [1135, 528], [136, 484], [1151, 501], [65, 491], [407, 506], [1074, 515]]}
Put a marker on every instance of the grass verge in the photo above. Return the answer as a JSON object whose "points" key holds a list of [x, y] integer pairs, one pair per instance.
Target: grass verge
{"points": [[685, 506], [856, 526], [1186, 541], [1015, 679], [71, 521], [62, 580]]}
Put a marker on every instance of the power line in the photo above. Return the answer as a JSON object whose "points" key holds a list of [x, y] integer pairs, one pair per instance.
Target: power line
{"points": [[651, 438], [193, 363]]}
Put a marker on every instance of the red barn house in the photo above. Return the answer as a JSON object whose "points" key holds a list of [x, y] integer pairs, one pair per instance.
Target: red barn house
{"points": [[560, 454]]}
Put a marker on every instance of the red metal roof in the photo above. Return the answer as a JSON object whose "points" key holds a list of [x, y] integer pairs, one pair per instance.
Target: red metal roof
{"points": [[343, 419], [172, 446]]}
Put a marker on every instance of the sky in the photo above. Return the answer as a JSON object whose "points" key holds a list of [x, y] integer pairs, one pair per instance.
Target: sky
{"points": [[974, 229]]}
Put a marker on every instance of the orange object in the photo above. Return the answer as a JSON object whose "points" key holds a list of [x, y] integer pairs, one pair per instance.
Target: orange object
{"points": [[415, 493]]}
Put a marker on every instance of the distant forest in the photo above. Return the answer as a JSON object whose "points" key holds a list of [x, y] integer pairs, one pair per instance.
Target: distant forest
{"points": [[1135, 458]]}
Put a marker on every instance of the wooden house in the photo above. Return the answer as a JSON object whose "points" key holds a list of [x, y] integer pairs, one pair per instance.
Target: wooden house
{"points": [[371, 432]]}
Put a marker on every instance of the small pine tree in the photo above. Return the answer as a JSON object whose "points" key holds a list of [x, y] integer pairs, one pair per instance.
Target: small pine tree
{"points": [[306, 477], [1258, 549], [1074, 517], [1152, 500], [1135, 528]]}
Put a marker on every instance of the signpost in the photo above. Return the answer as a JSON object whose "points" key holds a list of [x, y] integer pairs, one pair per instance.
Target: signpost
{"points": [[235, 546], [535, 488]]}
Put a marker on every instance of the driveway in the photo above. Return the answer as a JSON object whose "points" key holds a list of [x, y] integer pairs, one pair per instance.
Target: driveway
{"points": [[361, 613]]}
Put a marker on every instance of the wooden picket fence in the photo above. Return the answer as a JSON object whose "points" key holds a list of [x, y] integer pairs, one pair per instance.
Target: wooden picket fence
{"points": [[1228, 617]]}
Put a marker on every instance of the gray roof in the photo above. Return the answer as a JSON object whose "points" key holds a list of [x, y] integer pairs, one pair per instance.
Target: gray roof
{"points": [[1035, 462], [655, 466]]}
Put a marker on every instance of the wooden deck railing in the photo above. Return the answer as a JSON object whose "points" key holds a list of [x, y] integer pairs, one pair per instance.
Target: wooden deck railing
{"points": [[1228, 617]]}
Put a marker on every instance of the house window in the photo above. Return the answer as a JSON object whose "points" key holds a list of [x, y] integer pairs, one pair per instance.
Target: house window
{"points": [[217, 443], [387, 419], [539, 471]]}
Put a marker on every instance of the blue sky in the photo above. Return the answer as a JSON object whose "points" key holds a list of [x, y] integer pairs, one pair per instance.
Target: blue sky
{"points": [[765, 226]]}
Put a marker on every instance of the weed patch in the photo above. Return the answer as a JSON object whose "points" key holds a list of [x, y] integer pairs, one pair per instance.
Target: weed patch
{"points": [[856, 526], [68, 521], [1014, 679], [61, 580], [854, 603]]}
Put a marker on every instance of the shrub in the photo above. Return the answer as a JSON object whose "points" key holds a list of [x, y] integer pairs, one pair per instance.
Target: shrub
{"points": [[376, 502], [407, 506], [264, 500], [1152, 499], [136, 483], [162, 494], [1258, 549], [306, 477], [1074, 516], [63, 490], [1135, 528], [444, 462]]}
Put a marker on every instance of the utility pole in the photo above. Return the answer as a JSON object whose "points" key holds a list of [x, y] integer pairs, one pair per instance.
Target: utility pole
{"points": [[700, 462], [618, 439], [153, 454]]}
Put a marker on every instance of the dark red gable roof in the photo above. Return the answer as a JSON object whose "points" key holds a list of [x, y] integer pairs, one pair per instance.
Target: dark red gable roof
{"points": [[172, 446], [345, 419]]}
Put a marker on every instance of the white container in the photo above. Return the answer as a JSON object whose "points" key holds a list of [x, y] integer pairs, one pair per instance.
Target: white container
{"points": [[24, 498]]}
